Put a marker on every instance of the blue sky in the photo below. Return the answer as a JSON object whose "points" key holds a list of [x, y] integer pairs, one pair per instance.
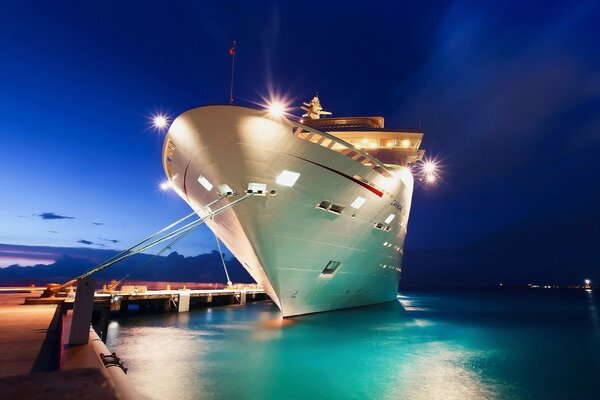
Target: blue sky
{"points": [[507, 93]]}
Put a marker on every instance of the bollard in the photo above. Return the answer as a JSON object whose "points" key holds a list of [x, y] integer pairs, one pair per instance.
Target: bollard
{"points": [[82, 311]]}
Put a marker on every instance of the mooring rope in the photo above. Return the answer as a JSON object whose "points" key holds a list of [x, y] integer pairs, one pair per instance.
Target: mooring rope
{"points": [[190, 226], [223, 261], [179, 233]]}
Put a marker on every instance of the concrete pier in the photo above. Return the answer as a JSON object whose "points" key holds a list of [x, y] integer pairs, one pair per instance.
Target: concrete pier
{"points": [[31, 356], [181, 300], [48, 349], [24, 347]]}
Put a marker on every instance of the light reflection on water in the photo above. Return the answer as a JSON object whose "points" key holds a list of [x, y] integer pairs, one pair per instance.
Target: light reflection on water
{"points": [[449, 345]]}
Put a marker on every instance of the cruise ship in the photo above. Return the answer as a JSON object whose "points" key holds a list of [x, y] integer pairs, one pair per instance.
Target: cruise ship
{"points": [[327, 200]]}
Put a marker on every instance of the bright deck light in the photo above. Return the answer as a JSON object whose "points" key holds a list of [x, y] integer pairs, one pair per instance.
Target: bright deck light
{"points": [[166, 185], [430, 178], [276, 109], [160, 121], [429, 167], [358, 202], [287, 178]]}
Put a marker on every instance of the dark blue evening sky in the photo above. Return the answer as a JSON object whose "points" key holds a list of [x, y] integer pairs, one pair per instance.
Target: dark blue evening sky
{"points": [[508, 94]]}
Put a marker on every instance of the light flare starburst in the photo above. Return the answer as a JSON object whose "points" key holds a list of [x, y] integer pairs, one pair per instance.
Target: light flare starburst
{"points": [[160, 121]]}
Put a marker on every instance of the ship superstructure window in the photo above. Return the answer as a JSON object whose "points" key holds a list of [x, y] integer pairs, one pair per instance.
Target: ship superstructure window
{"points": [[205, 182], [331, 207], [287, 178], [336, 208], [331, 267], [358, 202], [259, 189], [324, 205], [390, 218]]}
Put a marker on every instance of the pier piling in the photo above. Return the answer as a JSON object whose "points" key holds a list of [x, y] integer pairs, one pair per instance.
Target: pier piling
{"points": [[82, 311], [184, 301]]}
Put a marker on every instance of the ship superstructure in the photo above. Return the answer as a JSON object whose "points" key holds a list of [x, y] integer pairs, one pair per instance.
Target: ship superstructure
{"points": [[325, 226]]}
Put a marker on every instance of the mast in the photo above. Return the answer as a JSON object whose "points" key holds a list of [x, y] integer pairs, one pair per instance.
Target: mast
{"points": [[232, 54]]}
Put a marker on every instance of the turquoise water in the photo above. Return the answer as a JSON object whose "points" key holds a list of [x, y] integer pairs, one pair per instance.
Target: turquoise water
{"points": [[500, 344]]}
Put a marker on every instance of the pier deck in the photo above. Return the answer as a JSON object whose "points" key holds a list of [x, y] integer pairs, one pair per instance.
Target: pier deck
{"points": [[23, 332]]}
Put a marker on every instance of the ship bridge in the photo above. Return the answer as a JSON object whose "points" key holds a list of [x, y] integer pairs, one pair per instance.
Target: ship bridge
{"points": [[390, 146]]}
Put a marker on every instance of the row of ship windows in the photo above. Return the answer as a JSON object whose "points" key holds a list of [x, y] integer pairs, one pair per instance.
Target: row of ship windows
{"points": [[312, 137], [341, 147], [332, 266], [388, 244], [289, 178], [339, 209], [385, 266]]}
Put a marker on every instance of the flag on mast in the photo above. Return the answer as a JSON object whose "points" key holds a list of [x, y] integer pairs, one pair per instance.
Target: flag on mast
{"points": [[232, 54]]}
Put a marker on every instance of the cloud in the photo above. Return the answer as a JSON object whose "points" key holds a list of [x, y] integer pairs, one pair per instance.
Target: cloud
{"points": [[53, 231], [51, 215], [22, 255], [109, 240], [97, 223], [83, 241]]}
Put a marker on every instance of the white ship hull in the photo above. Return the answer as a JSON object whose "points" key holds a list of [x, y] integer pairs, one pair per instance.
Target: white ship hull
{"points": [[283, 239]]}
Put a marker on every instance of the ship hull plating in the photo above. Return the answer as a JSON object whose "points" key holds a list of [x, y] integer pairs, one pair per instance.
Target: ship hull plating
{"points": [[281, 236]]}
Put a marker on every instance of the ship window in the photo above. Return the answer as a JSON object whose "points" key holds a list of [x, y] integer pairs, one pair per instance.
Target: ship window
{"points": [[390, 218], [257, 188], [205, 182], [226, 190], [331, 267], [287, 178], [358, 202], [336, 208], [378, 225], [324, 205], [169, 159]]}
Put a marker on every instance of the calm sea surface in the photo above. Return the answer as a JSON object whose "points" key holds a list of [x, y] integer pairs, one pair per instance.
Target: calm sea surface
{"points": [[502, 344]]}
